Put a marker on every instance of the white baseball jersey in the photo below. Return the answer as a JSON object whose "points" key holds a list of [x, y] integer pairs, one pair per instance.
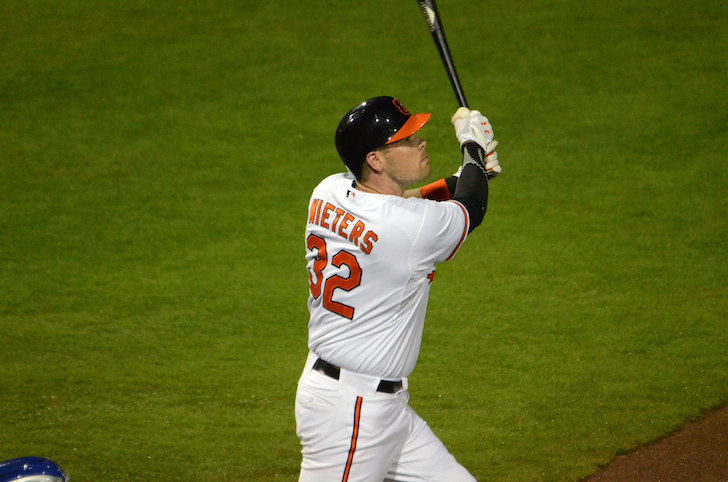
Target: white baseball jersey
{"points": [[371, 259]]}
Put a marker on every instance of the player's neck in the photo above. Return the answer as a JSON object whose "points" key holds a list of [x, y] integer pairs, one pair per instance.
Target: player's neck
{"points": [[379, 188]]}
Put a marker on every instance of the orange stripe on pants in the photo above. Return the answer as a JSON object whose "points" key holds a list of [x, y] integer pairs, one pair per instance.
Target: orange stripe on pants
{"points": [[352, 449]]}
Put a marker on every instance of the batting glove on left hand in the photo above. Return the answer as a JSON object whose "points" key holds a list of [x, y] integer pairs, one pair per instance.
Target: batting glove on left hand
{"points": [[471, 125]]}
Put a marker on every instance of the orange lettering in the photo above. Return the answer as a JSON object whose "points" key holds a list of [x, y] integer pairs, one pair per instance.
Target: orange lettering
{"points": [[312, 213], [318, 210], [325, 215], [344, 224], [369, 239], [339, 212], [356, 232]]}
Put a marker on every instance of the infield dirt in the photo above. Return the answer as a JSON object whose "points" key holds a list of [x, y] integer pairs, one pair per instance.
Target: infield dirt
{"points": [[697, 452]]}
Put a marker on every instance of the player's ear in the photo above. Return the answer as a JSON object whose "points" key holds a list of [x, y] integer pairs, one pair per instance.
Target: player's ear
{"points": [[374, 161]]}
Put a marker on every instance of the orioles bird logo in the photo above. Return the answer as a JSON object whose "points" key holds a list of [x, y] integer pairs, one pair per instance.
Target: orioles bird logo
{"points": [[400, 107]]}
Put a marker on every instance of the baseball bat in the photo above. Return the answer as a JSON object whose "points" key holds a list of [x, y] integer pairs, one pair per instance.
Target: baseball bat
{"points": [[429, 10]]}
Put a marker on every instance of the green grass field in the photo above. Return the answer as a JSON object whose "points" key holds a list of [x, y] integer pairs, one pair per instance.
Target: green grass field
{"points": [[156, 159]]}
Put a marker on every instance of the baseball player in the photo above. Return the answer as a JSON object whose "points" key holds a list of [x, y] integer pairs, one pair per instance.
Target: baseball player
{"points": [[372, 247]]}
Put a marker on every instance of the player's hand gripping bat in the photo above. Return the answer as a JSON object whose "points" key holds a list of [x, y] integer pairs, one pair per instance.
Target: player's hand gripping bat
{"points": [[429, 9]]}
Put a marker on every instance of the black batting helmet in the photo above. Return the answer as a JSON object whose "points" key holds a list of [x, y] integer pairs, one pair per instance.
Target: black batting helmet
{"points": [[371, 125]]}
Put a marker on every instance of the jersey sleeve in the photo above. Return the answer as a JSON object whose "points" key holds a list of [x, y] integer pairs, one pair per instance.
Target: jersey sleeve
{"points": [[445, 225]]}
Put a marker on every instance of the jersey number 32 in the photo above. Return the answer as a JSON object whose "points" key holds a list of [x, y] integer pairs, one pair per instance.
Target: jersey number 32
{"points": [[333, 282]]}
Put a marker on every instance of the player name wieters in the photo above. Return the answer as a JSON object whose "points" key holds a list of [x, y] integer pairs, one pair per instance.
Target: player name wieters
{"points": [[340, 221]]}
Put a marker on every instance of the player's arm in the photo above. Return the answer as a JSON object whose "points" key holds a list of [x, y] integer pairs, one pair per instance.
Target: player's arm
{"points": [[472, 127], [480, 162], [440, 190]]}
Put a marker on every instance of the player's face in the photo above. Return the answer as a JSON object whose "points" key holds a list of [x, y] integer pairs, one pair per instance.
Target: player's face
{"points": [[406, 160]]}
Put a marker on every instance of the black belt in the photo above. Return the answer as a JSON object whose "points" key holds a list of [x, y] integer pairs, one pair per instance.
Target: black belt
{"points": [[331, 371]]}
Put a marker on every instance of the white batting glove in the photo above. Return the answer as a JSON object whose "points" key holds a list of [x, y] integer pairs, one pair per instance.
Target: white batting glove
{"points": [[492, 167], [471, 125]]}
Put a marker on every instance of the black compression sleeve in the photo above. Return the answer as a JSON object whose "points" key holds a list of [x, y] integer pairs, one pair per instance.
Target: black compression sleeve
{"points": [[452, 184], [472, 187]]}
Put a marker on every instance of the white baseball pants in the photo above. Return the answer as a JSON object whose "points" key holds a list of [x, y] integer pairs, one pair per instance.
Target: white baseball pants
{"points": [[352, 433]]}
